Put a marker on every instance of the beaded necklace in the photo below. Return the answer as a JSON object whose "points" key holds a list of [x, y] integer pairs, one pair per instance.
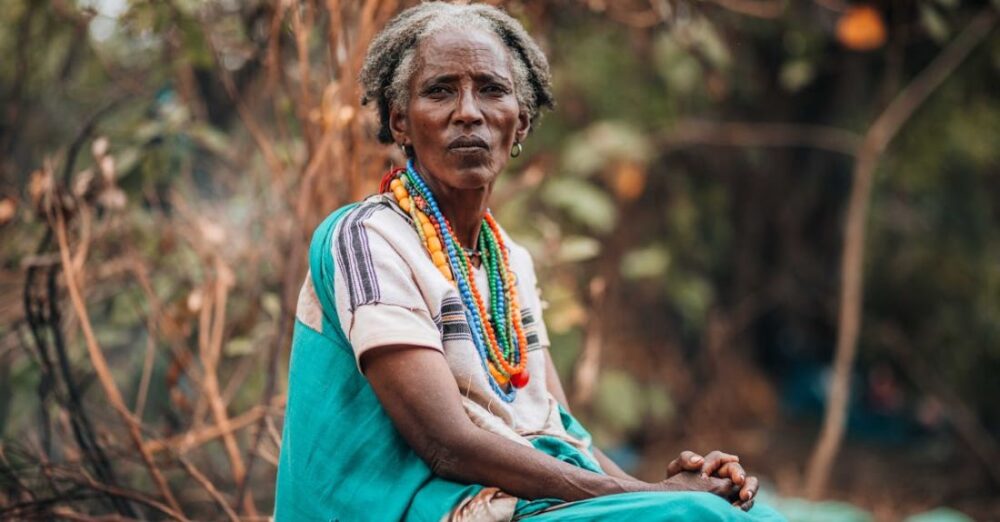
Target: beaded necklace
{"points": [[496, 331]]}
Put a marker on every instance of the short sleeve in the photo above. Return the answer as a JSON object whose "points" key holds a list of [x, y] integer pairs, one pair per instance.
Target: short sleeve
{"points": [[531, 314], [379, 302]]}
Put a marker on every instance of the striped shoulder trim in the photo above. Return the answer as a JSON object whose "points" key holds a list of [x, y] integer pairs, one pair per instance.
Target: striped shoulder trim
{"points": [[452, 324], [451, 321], [530, 329], [354, 256]]}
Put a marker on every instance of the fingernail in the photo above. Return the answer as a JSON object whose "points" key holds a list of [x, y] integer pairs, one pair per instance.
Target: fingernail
{"points": [[750, 495], [696, 460]]}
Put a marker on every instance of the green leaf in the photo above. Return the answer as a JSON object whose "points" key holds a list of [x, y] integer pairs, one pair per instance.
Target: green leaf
{"points": [[707, 40], [934, 23], [651, 261], [603, 143], [692, 295], [271, 304], [679, 69], [239, 346], [660, 406], [126, 160], [796, 74], [574, 249], [583, 201], [211, 139], [563, 313], [619, 400]]}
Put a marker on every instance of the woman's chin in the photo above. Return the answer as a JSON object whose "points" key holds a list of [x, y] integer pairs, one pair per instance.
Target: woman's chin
{"points": [[470, 173], [471, 179]]}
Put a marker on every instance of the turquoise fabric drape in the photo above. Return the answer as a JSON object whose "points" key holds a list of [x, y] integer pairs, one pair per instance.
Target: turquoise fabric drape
{"points": [[647, 507], [342, 458]]}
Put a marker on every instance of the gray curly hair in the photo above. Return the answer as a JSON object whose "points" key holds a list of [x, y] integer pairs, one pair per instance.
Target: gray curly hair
{"points": [[389, 65]]}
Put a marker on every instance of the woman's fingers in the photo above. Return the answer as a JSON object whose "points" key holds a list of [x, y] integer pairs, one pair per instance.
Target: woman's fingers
{"points": [[714, 461], [722, 487], [747, 485], [749, 490], [733, 471], [687, 461]]}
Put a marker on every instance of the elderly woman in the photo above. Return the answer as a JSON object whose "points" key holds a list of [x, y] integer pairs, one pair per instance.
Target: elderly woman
{"points": [[420, 384]]}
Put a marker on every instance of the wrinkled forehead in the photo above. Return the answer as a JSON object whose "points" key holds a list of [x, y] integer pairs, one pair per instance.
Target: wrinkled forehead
{"points": [[469, 51]]}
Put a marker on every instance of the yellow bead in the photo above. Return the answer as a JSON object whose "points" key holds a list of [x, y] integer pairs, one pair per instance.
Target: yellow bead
{"points": [[497, 376], [395, 183], [405, 204], [439, 259], [429, 230], [445, 271], [423, 218], [433, 244], [399, 192]]}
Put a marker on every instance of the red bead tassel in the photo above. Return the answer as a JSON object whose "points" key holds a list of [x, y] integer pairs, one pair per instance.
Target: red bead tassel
{"points": [[388, 177]]}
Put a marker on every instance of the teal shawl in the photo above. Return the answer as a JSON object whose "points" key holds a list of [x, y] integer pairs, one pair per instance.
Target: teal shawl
{"points": [[341, 457]]}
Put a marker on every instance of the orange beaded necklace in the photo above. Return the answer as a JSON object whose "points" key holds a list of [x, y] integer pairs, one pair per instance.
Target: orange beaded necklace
{"points": [[497, 331]]}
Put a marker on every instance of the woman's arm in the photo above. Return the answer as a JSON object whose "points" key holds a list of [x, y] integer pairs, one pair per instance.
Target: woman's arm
{"points": [[419, 393]]}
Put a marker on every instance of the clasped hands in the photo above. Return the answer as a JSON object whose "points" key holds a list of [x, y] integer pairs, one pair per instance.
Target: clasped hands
{"points": [[719, 473]]}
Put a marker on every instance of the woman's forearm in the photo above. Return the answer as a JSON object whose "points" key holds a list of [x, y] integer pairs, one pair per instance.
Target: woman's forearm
{"points": [[428, 413], [479, 457]]}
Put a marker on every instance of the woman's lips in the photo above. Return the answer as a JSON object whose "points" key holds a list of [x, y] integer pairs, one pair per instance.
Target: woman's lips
{"points": [[468, 150], [468, 145]]}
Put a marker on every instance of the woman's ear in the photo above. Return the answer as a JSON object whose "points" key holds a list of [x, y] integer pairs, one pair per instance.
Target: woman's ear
{"points": [[398, 125], [523, 126]]}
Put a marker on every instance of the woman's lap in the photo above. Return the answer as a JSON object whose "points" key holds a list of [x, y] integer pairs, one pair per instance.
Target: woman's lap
{"points": [[653, 507]]}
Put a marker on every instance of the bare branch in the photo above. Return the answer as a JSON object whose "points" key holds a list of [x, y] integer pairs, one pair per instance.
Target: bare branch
{"points": [[746, 134], [755, 8], [101, 366], [879, 135]]}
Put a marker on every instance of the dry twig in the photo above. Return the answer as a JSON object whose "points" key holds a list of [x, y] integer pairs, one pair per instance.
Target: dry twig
{"points": [[877, 138], [101, 366]]}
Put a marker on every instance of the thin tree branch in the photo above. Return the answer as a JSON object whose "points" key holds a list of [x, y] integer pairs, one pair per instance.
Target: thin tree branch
{"points": [[100, 363], [184, 442], [879, 135], [754, 8], [745, 134], [88, 482], [209, 487]]}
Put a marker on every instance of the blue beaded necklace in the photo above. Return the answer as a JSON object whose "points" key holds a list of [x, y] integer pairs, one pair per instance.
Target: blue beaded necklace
{"points": [[458, 261]]}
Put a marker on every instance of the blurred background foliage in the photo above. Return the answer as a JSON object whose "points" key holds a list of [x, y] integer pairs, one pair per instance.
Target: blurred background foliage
{"points": [[685, 206]]}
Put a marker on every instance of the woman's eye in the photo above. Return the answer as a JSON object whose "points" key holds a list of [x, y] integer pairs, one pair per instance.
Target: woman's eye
{"points": [[436, 90], [495, 89]]}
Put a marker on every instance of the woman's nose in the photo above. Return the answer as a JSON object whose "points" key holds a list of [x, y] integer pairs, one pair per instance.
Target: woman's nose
{"points": [[467, 112]]}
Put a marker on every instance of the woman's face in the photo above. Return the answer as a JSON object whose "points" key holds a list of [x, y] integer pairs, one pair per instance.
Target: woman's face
{"points": [[462, 117]]}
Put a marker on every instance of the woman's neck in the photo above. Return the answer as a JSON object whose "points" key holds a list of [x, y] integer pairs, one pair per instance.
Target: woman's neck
{"points": [[463, 208]]}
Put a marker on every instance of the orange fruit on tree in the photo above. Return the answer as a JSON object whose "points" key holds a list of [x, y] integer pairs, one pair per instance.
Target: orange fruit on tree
{"points": [[861, 28]]}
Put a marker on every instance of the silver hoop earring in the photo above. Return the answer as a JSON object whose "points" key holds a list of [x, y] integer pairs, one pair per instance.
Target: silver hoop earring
{"points": [[515, 151], [402, 147]]}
